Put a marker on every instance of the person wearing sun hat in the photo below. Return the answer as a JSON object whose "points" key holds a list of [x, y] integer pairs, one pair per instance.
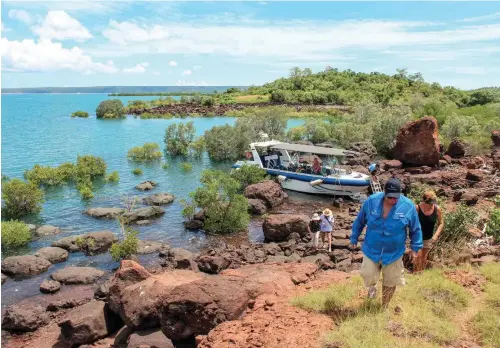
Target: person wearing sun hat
{"points": [[314, 228], [326, 227], [388, 216]]}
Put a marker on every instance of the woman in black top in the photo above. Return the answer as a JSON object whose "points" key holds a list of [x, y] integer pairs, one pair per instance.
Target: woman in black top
{"points": [[314, 228], [428, 214]]}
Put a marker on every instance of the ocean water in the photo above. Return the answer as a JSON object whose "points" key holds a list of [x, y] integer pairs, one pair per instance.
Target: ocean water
{"points": [[37, 128]]}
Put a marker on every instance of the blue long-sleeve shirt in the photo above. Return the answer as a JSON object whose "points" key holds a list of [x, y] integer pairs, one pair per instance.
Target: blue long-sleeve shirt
{"points": [[385, 238]]}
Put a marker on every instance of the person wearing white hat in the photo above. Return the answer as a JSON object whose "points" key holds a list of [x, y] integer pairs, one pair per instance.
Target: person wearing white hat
{"points": [[327, 227], [314, 228]]}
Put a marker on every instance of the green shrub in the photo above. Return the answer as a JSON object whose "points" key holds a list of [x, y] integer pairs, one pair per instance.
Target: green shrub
{"points": [[296, 133], [90, 165], [128, 246], [178, 138], [197, 147], [15, 234], [493, 225], [20, 198], [165, 166], [137, 171], [44, 175], [149, 152], [110, 109], [113, 177], [226, 208], [248, 175], [186, 167], [80, 114], [221, 143], [86, 192], [457, 126]]}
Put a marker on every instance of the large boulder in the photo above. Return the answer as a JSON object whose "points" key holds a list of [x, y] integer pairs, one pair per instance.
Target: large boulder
{"points": [[24, 266], [474, 175], [105, 213], [495, 137], [267, 191], [129, 273], [77, 275], [159, 199], [197, 307], [146, 185], [52, 254], [24, 318], [417, 143], [278, 227], [149, 338], [89, 323], [457, 148], [96, 242], [46, 230], [256, 206], [212, 264], [390, 164], [143, 213], [180, 259], [149, 246], [67, 243]]}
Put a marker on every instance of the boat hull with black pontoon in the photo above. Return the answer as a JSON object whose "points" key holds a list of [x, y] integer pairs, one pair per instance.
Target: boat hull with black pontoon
{"points": [[291, 164]]}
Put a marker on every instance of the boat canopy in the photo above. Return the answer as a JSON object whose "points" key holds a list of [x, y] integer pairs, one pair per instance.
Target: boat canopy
{"points": [[318, 150]]}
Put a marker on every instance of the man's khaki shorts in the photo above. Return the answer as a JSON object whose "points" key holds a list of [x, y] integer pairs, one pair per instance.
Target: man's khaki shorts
{"points": [[428, 243], [392, 274]]}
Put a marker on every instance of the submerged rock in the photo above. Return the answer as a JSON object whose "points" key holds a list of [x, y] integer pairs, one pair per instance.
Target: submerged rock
{"points": [[46, 230], [67, 243], [143, 213], [52, 254], [24, 266], [159, 199], [105, 213], [77, 275], [97, 242], [146, 185]]}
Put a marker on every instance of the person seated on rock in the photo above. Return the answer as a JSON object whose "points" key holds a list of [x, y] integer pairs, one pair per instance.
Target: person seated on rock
{"points": [[316, 167], [428, 214], [314, 228], [326, 227], [388, 217]]}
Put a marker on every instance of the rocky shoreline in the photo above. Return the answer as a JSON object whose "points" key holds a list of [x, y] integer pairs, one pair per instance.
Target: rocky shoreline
{"points": [[183, 298]]}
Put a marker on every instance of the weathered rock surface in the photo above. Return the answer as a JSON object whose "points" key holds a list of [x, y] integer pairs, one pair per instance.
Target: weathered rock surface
{"points": [[159, 199], [417, 143], [193, 224], [4, 278], [179, 258], [212, 264], [105, 213], [149, 246], [24, 318], [24, 266], [278, 227], [97, 242], [52, 254], [390, 164], [457, 148], [89, 323], [268, 192], [149, 338], [256, 206], [146, 185], [77, 275], [143, 213], [67, 243], [50, 286], [46, 230], [475, 175]]}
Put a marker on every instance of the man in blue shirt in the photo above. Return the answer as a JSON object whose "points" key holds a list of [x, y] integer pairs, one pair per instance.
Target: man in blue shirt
{"points": [[388, 216]]}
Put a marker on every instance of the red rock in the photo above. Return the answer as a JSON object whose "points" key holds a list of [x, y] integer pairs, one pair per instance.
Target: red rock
{"points": [[447, 158], [419, 170], [470, 198], [457, 148], [475, 175], [267, 191], [417, 143], [390, 164], [278, 227]]}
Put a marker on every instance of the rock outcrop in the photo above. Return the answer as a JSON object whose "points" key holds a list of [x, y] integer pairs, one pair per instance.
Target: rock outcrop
{"points": [[50, 286], [268, 191], [52, 254], [24, 266], [24, 318], [143, 213], [104, 213], [417, 143], [178, 258], [149, 338], [159, 199], [46, 230], [212, 264], [457, 148], [256, 206], [77, 275], [96, 242], [278, 227], [67, 243], [146, 185]]}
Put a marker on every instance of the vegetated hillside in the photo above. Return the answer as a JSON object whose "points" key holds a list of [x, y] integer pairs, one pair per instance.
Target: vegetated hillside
{"points": [[349, 87]]}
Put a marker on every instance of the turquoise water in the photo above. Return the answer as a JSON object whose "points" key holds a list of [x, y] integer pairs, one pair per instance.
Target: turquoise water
{"points": [[37, 128]]}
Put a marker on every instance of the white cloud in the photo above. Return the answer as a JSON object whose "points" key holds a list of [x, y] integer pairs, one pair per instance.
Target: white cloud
{"points": [[4, 28], [197, 67], [482, 18], [172, 63], [187, 72], [94, 7], [138, 69], [20, 15], [191, 83], [318, 41], [45, 55], [59, 25]]}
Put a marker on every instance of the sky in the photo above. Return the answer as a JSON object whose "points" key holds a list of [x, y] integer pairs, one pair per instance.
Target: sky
{"points": [[108, 43]]}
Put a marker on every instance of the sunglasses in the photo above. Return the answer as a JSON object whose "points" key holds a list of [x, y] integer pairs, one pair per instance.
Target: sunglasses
{"points": [[392, 198]]}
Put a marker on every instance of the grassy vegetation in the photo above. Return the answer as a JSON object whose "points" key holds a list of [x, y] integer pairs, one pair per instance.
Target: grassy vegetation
{"points": [[431, 310], [15, 234], [137, 171]]}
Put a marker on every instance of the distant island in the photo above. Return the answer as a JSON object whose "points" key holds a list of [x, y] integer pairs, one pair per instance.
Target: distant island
{"points": [[124, 90]]}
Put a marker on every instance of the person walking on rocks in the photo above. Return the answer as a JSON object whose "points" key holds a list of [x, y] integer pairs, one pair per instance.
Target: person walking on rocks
{"points": [[314, 229], [388, 215], [428, 214], [326, 227]]}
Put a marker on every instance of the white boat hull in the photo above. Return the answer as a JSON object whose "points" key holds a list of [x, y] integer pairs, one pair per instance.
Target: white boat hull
{"points": [[322, 189]]}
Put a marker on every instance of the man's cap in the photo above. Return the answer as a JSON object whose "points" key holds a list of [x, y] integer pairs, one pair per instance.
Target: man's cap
{"points": [[392, 188]]}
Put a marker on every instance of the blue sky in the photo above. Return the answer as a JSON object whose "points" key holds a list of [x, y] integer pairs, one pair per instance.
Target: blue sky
{"points": [[95, 43]]}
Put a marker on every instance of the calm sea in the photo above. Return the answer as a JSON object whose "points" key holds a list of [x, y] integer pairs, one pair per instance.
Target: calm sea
{"points": [[37, 128]]}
